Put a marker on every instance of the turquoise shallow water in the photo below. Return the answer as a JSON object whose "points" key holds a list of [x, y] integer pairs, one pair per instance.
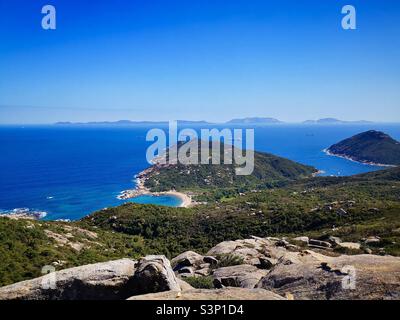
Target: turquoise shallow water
{"points": [[69, 172], [165, 200]]}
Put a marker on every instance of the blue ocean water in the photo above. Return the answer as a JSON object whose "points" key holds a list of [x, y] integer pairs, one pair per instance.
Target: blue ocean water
{"points": [[71, 171]]}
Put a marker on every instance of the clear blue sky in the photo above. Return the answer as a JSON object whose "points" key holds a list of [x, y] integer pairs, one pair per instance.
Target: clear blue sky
{"points": [[199, 59]]}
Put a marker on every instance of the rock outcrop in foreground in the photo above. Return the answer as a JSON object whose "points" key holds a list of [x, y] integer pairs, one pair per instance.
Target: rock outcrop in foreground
{"points": [[111, 280], [212, 294], [253, 269]]}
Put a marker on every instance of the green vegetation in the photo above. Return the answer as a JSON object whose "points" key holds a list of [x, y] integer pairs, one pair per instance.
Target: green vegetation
{"points": [[312, 205], [26, 246], [350, 207], [200, 282], [228, 260], [212, 182], [370, 146]]}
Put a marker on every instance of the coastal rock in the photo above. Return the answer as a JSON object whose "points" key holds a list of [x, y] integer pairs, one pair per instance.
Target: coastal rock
{"points": [[244, 276], [320, 243], [249, 249], [186, 271], [184, 285], [302, 239], [372, 240], [368, 251], [320, 277], [223, 248], [249, 255], [350, 245], [334, 240], [304, 275], [187, 259], [154, 274], [292, 247], [203, 272], [267, 263], [210, 260], [210, 294], [109, 280], [281, 243]]}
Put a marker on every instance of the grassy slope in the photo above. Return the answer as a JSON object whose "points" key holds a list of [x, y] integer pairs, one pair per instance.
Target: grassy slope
{"points": [[269, 171], [296, 209], [25, 247]]}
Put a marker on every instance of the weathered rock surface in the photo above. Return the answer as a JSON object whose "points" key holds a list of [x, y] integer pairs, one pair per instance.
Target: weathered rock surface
{"points": [[207, 294], [187, 259], [270, 269], [350, 245], [302, 239], [112, 280], [334, 240], [251, 250], [315, 276], [184, 285], [210, 260], [372, 240], [319, 243], [108, 280], [244, 276], [154, 274]]}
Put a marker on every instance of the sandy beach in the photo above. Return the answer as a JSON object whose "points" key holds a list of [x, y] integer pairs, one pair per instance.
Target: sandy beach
{"points": [[186, 200]]}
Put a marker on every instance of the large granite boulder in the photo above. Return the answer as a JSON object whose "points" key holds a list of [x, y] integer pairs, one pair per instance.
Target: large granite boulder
{"points": [[252, 251], [113, 280], [154, 274], [209, 294], [108, 280], [187, 259], [315, 276], [244, 276]]}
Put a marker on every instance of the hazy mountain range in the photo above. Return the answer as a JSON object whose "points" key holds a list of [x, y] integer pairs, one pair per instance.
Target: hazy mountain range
{"points": [[335, 121], [238, 121]]}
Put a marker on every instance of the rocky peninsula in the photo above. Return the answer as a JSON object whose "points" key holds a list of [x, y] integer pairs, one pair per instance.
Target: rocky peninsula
{"points": [[370, 147]]}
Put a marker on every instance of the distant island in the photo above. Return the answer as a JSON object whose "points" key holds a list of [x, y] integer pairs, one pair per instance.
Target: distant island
{"points": [[335, 121], [130, 122], [258, 121], [254, 120], [370, 147]]}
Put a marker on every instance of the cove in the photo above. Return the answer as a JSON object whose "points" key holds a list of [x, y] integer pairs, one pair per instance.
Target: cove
{"points": [[162, 200]]}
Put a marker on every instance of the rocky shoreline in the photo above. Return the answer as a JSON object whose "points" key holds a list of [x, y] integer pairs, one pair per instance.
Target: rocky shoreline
{"points": [[140, 190], [329, 153], [23, 213]]}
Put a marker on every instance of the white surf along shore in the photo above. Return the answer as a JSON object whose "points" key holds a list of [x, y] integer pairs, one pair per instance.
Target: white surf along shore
{"points": [[140, 190], [23, 213], [368, 163]]}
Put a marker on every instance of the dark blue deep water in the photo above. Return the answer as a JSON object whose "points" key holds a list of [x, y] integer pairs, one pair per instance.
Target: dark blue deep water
{"points": [[70, 171]]}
